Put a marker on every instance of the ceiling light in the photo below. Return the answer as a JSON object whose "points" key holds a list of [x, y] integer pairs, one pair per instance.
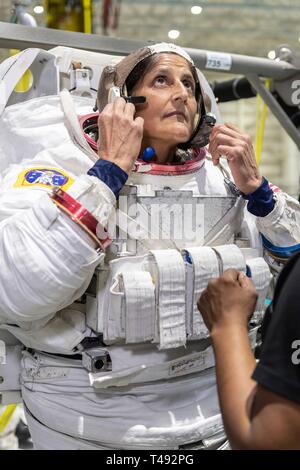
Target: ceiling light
{"points": [[38, 9], [272, 55], [174, 34], [196, 10]]}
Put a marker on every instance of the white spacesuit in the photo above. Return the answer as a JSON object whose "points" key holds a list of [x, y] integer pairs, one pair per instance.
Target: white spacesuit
{"points": [[116, 352]]}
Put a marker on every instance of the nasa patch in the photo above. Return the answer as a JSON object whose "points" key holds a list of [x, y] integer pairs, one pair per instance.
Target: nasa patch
{"points": [[44, 177]]}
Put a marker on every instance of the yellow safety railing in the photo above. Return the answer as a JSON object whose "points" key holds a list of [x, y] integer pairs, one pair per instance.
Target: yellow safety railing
{"points": [[87, 16], [6, 416], [261, 115]]}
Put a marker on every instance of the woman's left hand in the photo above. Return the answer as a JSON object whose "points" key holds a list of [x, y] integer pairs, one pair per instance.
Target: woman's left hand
{"points": [[228, 141], [228, 300]]}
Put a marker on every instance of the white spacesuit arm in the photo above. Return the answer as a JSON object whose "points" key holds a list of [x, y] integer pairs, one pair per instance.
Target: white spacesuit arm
{"points": [[47, 259], [281, 226]]}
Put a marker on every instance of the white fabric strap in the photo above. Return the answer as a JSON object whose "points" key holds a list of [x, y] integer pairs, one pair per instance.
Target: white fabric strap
{"points": [[140, 311], [169, 274], [230, 256], [111, 297], [205, 267], [261, 277]]}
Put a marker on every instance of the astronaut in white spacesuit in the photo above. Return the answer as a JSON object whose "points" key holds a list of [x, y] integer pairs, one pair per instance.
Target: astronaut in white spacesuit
{"points": [[116, 355]]}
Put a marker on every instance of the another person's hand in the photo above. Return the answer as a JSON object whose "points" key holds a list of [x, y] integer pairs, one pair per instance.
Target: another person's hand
{"points": [[120, 134], [228, 300], [228, 141]]}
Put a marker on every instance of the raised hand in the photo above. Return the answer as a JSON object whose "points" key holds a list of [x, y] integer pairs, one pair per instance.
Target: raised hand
{"points": [[228, 141], [120, 134]]}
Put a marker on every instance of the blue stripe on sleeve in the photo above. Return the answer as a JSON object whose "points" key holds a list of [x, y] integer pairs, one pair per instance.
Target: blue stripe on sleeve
{"points": [[111, 174], [261, 201]]}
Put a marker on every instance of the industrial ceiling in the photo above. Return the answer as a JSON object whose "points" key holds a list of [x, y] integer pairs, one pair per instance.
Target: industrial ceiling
{"points": [[249, 27]]}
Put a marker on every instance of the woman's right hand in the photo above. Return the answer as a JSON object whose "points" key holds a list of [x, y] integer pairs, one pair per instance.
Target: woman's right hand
{"points": [[120, 134]]}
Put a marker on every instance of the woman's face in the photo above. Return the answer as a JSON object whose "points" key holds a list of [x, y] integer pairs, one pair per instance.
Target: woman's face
{"points": [[171, 105]]}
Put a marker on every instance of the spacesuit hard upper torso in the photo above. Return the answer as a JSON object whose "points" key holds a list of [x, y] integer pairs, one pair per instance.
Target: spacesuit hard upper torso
{"points": [[157, 384]]}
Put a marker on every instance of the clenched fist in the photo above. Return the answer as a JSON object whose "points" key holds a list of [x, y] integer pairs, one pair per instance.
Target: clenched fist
{"points": [[227, 300], [120, 134]]}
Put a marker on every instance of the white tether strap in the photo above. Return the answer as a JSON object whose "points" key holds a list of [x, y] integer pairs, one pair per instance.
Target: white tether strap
{"points": [[206, 267], [230, 257], [169, 272], [140, 312]]}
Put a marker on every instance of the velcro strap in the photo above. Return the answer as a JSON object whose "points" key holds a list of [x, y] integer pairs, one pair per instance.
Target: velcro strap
{"points": [[205, 267], [139, 293], [230, 256], [168, 269]]}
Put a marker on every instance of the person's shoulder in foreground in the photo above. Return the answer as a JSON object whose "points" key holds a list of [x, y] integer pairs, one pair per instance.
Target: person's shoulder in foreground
{"points": [[279, 365]]}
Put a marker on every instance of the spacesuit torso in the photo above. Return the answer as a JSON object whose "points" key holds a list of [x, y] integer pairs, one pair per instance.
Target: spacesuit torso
{"points": [[119, 330]]}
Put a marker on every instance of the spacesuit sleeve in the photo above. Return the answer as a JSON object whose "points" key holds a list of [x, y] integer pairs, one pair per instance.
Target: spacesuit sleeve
{"points": [[277, 218], [47, 259], [281, 227]]}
